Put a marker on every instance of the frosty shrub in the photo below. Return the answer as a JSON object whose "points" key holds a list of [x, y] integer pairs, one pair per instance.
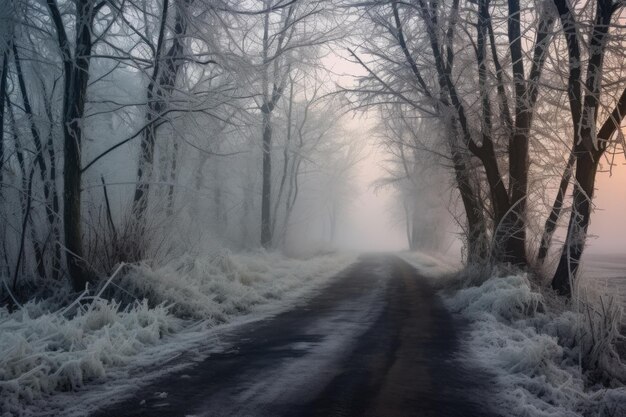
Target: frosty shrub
{"points": [[544, 359], [599, 322]]}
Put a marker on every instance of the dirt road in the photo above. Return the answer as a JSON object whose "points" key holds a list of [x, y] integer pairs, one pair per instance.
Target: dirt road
{"points": [[376, 342]]}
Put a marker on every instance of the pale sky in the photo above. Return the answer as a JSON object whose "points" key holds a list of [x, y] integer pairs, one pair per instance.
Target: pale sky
{"points": [[608, 222]]}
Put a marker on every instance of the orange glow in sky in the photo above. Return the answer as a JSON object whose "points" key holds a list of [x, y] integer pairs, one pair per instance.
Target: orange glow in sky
{"points": [[608, 222]]}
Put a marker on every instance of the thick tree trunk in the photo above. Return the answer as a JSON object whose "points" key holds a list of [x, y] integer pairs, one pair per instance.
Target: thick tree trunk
{"points": [[485, 153], [72, 179], [584, 116], [171, 189], [270, 99], [3, 93], [73, 110], [555, 213], [511, 230], [148, 138], [266, 193], [499, 198], [76, 76], [511, 234], [3, 90], [476, 229], [586, 169], [144, 167]]}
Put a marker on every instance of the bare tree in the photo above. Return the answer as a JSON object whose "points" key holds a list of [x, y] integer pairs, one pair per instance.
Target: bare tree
{"points": [[590, 142], [76, 64], [433, 69], [166, 64], [284, 44]]}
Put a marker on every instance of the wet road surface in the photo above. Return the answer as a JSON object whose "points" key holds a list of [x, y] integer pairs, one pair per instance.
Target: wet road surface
{"points": [[376, 342]]}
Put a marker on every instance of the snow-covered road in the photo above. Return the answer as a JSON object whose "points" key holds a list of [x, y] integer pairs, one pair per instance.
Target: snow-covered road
{"points": [[376, 342]]}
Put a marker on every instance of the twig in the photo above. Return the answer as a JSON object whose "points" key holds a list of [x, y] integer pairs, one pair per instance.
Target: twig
{"points": [[119, 268]]}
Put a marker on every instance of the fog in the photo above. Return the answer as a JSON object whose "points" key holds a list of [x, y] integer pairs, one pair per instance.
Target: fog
{"points": [[370, 223], [297, 127], [608, 227], [374, 220]]}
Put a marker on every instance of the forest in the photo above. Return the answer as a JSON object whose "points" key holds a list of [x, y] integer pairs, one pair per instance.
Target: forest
{"points": [[148, 144]]}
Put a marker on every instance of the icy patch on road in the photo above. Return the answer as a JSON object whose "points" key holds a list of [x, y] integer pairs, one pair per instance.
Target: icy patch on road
{"points": [[335, 334], [533, 353], [44, 351]]}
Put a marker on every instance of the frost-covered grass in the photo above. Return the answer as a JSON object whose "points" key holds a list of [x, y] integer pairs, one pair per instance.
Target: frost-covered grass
{"points": [[605, 275], [45, 349], [225, 285], [42, 352], [545, 356]]}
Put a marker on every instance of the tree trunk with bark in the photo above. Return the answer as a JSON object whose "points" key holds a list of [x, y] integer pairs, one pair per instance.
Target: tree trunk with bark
{"points": [[586, 169], [3, 97], [167, 65], [76, 77], [588, 144], [555, 213], [266, 196]]}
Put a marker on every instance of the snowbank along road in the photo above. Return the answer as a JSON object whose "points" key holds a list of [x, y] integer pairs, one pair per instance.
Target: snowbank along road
{"points": [[376, 342]]}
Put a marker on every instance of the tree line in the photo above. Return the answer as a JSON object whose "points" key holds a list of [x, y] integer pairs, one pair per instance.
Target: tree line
{"points": [[132, 130], [522, 100]]}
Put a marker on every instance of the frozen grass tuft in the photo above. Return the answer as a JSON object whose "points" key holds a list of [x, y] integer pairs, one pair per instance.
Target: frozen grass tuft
{"points": [[506, 298], [543, 355], [45, 352]]}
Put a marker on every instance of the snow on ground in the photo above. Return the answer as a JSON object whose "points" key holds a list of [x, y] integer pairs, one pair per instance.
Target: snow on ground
{"points": [[431, 265], [166, 310], [535, 351]]}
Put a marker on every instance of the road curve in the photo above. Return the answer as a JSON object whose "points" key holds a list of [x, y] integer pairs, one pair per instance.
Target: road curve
{"points": [[376, 342]]}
